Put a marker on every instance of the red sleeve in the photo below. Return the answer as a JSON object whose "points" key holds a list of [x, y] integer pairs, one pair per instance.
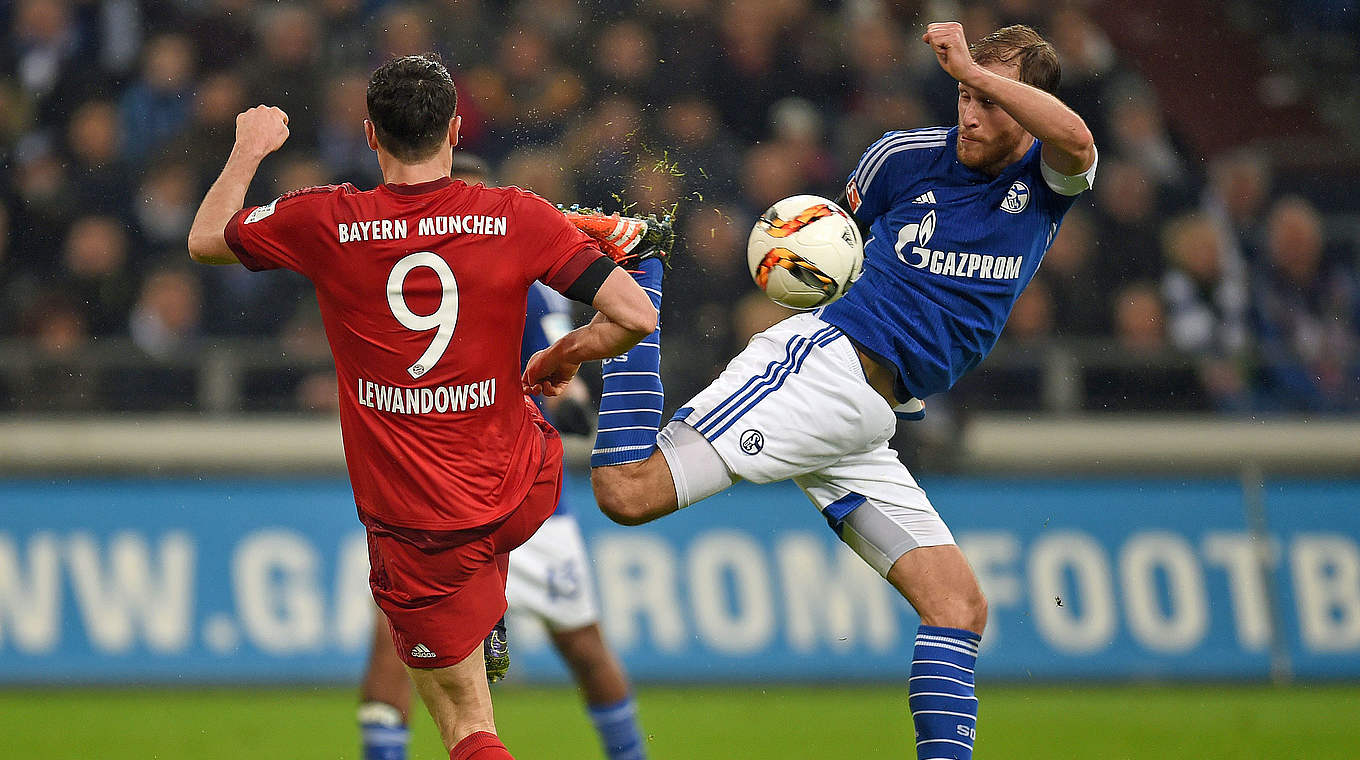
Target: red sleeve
{"points": [[285, 233], [562, 252]]}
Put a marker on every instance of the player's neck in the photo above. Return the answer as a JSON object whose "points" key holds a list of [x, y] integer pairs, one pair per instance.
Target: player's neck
{"points": [[400, 173], [995, 169]]}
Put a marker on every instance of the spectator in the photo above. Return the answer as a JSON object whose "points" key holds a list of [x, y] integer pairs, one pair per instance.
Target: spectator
{"points": [[157, 105], [1306, 305], [165, 320], [98, 173], [165, 204], [1128, 218], [1235, 198], [1080, 291], [97, 274], [1139, 320], [57, 379], [1205, 290]]}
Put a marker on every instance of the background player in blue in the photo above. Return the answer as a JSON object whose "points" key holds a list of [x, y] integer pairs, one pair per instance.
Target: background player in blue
{"points": [[959, 219], [549, 578]]}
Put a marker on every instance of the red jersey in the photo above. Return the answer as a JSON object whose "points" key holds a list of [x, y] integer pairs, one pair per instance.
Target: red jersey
{"points": [[422, 290]]}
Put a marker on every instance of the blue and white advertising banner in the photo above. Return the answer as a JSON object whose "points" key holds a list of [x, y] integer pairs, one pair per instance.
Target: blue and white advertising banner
{"points": [[220, 581]]}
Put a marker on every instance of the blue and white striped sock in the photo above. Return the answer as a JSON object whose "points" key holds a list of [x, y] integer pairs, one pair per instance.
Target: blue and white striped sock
{"points": [[632, 396], [382, 732], [940, 693], [618, 728]]}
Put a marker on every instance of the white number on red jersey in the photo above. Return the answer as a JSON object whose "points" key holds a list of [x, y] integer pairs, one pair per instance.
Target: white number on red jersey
{"points": [[444, 317]]}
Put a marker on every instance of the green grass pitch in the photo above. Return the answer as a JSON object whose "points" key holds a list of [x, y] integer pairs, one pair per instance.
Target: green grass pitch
{"points": [[1204, 722]]}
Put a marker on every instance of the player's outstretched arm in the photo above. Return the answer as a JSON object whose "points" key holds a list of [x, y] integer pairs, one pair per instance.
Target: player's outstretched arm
{"points": [[259, 132], [1068, 146], [626, 316]]}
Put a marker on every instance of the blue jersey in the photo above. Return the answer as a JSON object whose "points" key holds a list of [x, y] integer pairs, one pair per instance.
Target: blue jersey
{"points": [[547, 318], [949, 251]]}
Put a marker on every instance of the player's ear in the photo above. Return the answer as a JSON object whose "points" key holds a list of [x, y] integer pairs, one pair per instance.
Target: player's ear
{"points": [[455, 124], [371, 135]]}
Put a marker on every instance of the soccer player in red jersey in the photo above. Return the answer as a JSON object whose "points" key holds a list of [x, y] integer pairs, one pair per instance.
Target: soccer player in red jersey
{"points": [[422, 284]]}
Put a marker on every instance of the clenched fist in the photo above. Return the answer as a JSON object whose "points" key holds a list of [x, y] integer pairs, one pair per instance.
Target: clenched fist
{"points": [[951, 48], [261, 130]]}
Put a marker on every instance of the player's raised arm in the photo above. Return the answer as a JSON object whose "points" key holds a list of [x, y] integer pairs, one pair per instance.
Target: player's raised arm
{"points": [[1068, 146], [259, 132], [626, 316]]}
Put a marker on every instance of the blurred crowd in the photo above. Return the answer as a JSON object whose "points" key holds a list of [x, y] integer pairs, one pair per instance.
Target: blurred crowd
{"points": [[116, 115]]}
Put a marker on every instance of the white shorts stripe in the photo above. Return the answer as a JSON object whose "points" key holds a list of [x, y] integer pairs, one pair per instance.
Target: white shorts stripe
{"points": [[629, 393], [629, 411]]}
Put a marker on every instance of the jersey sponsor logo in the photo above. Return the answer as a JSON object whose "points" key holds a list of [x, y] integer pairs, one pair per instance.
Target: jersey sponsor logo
{"points": [[852, 195], [422, 651], [469, 224], [441, 399], [926, 197], [913, 249], [377, 229], [1017, 198], [261, 212], [752, 441]]}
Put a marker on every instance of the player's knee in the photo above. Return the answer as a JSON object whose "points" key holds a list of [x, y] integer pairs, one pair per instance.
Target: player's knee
{"points": [[618, 495], [966, 610]]}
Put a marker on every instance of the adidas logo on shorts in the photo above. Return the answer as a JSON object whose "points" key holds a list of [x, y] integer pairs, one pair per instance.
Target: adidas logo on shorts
{"points": [[420, 650]]}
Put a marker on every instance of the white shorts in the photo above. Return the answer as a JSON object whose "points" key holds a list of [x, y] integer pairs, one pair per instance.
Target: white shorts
{"points": [[550, 578], [794, 404]]}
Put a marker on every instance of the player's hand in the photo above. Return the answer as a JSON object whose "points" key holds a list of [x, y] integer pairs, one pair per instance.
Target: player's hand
{"points": [[951, 48], [261, 130], [547, 375]]}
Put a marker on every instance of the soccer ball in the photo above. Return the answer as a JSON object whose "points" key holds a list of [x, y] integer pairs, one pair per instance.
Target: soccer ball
{"points": [[805, 252]]}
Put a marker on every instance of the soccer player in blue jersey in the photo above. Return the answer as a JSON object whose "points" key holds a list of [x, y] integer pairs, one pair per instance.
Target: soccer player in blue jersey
{"points": [[549, 578], [958, 219]]}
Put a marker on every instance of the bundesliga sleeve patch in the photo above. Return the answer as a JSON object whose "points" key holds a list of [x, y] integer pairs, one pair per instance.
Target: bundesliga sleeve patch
{"points": [[261, 212], [852, 195]]}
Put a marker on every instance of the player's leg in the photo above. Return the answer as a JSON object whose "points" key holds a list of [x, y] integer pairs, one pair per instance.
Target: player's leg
{"points": [[384, 698], [901, 536], [459, 699], [603, 684], [549, 578], [631, 481]]}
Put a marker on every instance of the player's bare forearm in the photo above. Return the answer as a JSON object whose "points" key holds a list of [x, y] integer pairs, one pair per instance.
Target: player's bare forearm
{"points": [[549, 371], [1069, 147], [207, 236], [259, 132]]}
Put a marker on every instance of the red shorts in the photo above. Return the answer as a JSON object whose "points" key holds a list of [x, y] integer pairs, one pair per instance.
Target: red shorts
{"points": [[443, 591]]}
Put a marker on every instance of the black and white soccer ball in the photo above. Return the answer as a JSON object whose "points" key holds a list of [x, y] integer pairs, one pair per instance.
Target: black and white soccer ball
{"points": [[805, 252]]}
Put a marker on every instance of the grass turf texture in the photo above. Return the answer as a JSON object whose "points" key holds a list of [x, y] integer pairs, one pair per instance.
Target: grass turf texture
{"points": [[749, 723]]}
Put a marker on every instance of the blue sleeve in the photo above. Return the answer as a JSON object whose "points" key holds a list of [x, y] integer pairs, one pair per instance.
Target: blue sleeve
{"points": [[534, 338], [876, 182]]}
